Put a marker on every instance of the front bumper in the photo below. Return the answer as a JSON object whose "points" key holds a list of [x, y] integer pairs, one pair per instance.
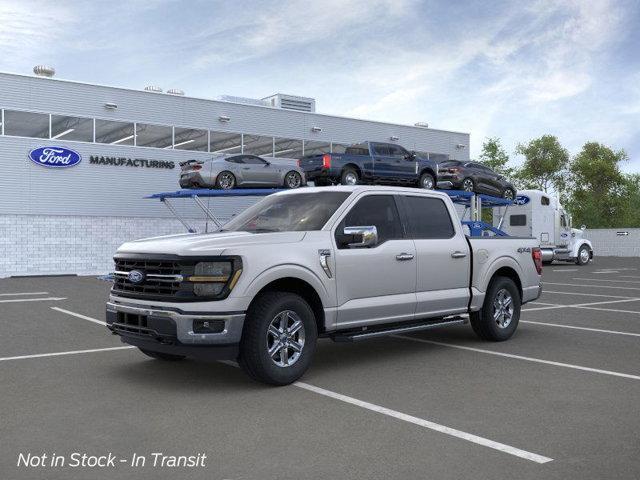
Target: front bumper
{"points": [[171, 330]]}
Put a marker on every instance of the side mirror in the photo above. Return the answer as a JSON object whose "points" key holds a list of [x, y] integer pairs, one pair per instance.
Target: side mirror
{"points": [[267, 163], [359, 237], [583, 227]]}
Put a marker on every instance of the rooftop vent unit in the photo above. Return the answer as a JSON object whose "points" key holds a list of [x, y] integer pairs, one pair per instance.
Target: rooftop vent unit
{"points": [[175, 91], [153, 88], [244, 100], [291, 102], [422, 124], [44, 71]]}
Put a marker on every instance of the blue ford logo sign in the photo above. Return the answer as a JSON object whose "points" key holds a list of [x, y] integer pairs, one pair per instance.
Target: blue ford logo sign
{"points": [[136, 276], [521, 200], [55, 157]]}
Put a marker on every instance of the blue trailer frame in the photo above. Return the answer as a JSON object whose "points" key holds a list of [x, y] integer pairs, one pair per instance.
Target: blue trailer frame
{"points": [[473, 202]]}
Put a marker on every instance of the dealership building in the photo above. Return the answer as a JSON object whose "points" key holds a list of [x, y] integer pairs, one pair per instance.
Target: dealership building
{"points": [[128, 144]]}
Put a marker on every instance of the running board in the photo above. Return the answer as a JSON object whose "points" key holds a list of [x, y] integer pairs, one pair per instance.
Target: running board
{"points": [[380, 332]]}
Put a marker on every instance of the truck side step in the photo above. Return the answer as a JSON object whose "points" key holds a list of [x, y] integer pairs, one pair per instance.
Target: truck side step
{"points": [[382, 330]]}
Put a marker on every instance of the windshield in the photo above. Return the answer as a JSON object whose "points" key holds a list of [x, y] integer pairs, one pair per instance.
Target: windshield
{"points": [[288, 213]]}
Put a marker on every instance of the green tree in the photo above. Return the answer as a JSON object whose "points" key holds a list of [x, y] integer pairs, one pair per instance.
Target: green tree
{"points": [[599, 192], [545, 164], [495, 157]]}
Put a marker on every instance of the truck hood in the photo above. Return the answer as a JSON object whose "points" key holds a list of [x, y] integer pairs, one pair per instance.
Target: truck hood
{"points": [[206, 243]]}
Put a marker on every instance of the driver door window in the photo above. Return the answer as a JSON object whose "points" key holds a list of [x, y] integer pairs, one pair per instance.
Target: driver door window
{"points": [[375, 210]]}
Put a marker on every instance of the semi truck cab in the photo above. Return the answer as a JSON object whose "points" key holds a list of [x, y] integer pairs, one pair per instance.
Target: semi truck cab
{"points": [[537, 214]]}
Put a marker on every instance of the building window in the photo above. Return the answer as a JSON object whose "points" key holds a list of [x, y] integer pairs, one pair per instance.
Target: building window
{"points": [[257, 145], [72, 128], [191, 139], [26, 124], [115, 133], [225, 143], [287, 148], [312, 147], [158, 136]]}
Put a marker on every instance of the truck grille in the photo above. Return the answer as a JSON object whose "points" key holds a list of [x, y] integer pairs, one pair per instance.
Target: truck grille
{"points": [[151, 287]]}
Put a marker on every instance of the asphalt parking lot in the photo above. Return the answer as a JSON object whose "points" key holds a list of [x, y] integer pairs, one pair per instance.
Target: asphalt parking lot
{"points": [[561, 399]]}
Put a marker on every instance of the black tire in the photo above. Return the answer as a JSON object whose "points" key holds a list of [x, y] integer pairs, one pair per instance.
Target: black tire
{"points": [[483, 322], [427, 178], [254, 355], [221, 180], [509, 193], [295, 182], [468, 185], [582, 258], [347, 173], [547, 262], [167, 357], [321, 182]]}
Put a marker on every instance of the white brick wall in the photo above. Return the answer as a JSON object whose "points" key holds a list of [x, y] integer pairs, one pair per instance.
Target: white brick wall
{"points": [[50, 245], [607, 243]]}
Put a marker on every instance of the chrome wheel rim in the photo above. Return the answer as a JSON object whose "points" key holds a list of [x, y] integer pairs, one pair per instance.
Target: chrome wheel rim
{"points": [[350, 178], [584, 255], [503, 308], [293, 180], [508, 194], [285, 338], [467, 185], [226, 181], [427, 182]]}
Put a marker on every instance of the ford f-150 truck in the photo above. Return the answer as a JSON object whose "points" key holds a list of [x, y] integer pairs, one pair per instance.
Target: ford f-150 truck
{"points": [[347, 263], [371, 162]]}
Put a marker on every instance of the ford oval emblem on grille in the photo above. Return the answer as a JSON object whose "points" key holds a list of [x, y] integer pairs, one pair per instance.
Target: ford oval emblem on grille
{"points": [[136, 276]]}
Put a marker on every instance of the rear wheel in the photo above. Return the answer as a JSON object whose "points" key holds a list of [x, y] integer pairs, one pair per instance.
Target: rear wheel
{"points": [[278, 338], [508, 193], [292, 179], [498, 319], [161, 356], [349, 177], [584, 255], [427, 181], [225, 180], [468, 185]]}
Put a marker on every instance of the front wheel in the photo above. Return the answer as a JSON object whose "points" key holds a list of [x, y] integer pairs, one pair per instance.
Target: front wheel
{"points": [[498, 319], [584, 255], [278, 338], [427, 181], [292, 179]]}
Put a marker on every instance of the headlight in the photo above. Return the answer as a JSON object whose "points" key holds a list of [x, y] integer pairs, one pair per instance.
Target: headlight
{"points": [[210, 278]]}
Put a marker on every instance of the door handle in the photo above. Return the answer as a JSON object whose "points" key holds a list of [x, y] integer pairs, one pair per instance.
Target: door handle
{"points": [[458, 254], [404, 256], [246, 168]]}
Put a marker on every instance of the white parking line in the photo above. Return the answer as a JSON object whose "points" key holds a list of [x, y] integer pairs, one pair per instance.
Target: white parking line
{"points": [[592, 286], [566, 269], [22, 293], [418, 421], [606, 309], [573, 327], [16, 300], [584, 305], [84, 317], [58, 354], [605, 280], [629, 276], [586, 294], [520, 357], [426, 424]]}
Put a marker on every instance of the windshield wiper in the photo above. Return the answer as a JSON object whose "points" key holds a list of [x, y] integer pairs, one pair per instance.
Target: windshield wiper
{"points": [[264, 230]]}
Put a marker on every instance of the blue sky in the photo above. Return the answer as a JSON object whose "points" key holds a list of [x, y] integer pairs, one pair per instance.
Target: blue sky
{"points": [[515, 70]]}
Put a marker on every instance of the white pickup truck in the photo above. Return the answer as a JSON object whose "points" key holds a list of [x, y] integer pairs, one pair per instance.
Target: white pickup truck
{"points": [[347, 263]]}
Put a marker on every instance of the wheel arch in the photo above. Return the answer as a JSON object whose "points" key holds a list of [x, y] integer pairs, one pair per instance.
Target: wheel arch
{"points": [[354, 167]]}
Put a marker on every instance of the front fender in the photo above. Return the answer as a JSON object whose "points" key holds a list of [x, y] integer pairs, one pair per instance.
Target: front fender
{"points": [[578, 244], [300, 272]]}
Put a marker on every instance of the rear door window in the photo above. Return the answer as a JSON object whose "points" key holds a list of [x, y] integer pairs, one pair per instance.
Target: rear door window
{"points": [[427, 217]]}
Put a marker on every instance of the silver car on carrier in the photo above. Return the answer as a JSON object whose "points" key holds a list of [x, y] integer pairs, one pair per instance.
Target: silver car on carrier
{"points": [[241, 170]]}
